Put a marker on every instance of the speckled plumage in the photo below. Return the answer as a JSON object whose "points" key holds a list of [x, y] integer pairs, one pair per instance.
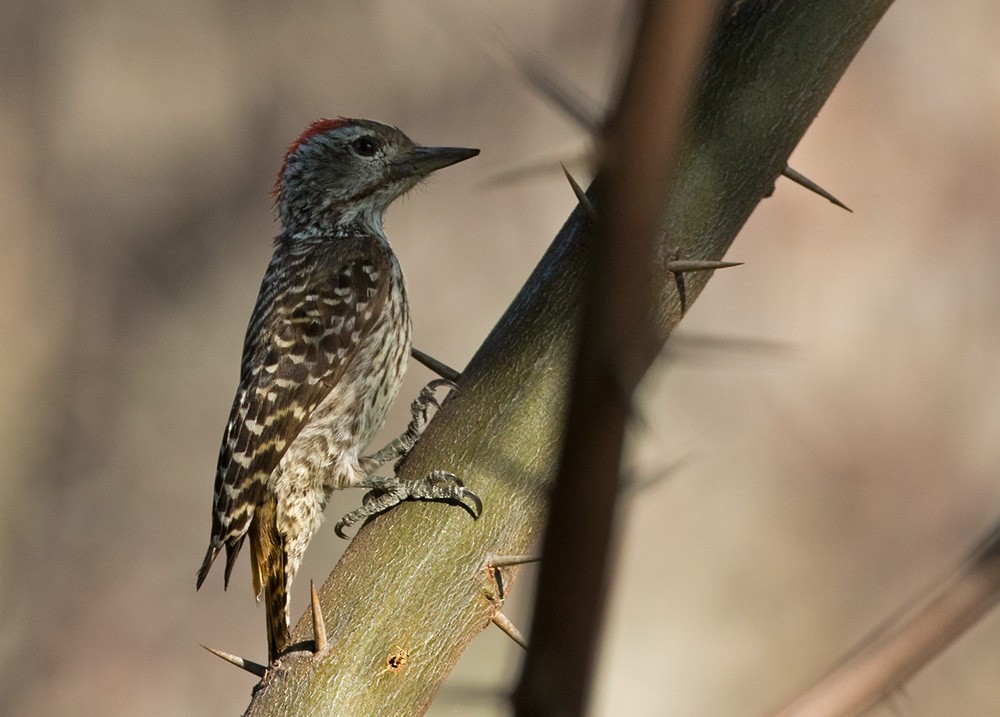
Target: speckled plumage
{"points": [[324, 354]]}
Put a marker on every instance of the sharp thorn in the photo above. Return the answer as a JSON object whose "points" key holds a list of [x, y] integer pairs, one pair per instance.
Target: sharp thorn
{"points": [[581, 196], [634, 486], [319, 626], [560, 93], [702, 347], [441, 369], [553, 87], [498, 579], [504, 623], [686, 265], [804, 181], [541, 165], [252, 667], [681, 289], [502, 561]]}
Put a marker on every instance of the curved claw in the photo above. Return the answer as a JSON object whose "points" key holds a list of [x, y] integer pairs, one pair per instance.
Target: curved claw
{"points": [[350, 519], [441, 383], [339, 530], [476, 500], [427, 396], [476, 510], [431, 400], [429, 391]]}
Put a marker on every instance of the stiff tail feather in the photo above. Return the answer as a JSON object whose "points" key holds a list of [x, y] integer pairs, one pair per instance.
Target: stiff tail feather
{"points": [[267, 563], [206, 564]]}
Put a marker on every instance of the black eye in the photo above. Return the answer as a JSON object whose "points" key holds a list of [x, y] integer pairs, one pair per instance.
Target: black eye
{"points": [[365, 146]]}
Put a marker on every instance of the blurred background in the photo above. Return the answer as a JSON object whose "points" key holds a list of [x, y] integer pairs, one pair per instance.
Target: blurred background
{"points": [[823, 480]]}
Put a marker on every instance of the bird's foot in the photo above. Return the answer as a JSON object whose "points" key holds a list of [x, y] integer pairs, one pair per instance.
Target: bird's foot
{"points": [[419, 409], [387, 492]]}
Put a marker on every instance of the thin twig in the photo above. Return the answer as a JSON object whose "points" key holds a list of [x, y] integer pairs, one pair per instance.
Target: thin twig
{"points": [[887, 661]]}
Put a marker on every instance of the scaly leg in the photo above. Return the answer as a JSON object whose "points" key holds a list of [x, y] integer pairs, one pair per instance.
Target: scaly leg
{"points": [[398, 448], [387, 492]]}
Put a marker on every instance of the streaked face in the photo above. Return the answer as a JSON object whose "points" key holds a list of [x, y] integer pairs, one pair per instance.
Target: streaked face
{"points": [[345, 169]]}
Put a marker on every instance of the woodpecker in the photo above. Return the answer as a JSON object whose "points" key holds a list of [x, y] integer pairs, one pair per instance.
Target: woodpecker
{"points": [[323, 359]]}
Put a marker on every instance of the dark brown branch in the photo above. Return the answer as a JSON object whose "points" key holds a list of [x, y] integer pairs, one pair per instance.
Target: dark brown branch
{"points": [[616, 346]]}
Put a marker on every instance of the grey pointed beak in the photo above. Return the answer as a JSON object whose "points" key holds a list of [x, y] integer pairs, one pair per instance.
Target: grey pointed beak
{"points": [[424, 160]]}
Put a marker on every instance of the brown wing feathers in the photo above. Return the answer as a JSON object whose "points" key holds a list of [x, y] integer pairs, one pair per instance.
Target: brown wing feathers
{"points": [[306, 341]]}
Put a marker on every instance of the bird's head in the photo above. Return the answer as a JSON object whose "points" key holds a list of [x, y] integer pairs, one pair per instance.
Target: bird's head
{"points": [[347, 171]]}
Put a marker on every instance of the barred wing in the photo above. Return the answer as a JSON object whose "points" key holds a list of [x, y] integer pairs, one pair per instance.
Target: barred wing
{"points": [[310, 329]]}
